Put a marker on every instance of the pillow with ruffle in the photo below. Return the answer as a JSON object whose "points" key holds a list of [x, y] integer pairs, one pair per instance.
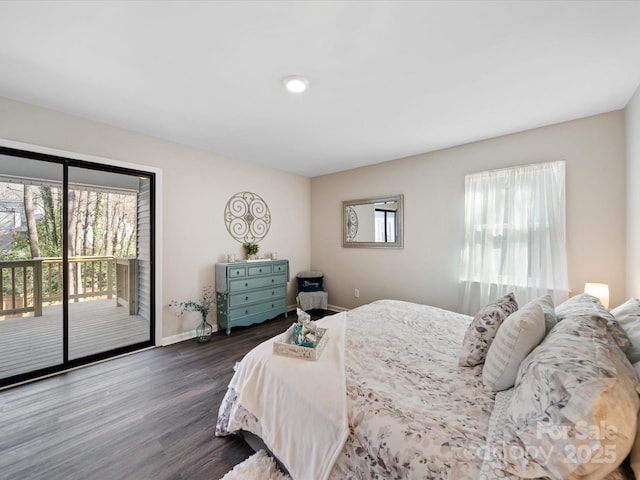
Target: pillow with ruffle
{"points": [[482, 330]]}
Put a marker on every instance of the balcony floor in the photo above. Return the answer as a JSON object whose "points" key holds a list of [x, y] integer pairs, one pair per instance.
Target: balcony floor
{"points": [[32, 343]]}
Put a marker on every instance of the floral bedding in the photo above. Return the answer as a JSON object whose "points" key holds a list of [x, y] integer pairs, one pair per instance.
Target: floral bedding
{"points": [[413, 412]]}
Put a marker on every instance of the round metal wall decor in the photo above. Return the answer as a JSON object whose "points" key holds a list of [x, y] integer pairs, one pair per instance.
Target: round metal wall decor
{"points": [[352, 224], [247, 217]]}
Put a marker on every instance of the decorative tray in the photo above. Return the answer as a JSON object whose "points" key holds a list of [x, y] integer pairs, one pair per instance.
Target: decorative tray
{"points": [[285, 345]]}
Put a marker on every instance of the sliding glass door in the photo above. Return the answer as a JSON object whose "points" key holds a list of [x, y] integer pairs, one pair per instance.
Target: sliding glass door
{"points": [[31, 334], [108, 261], [76, 263]]}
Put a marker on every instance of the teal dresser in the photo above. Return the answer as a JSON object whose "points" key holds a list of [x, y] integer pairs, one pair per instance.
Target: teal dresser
{"points": [[250, 292]]}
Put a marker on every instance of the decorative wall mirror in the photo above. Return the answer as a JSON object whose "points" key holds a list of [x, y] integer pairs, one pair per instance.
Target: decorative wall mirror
{"points": [[373, 222]]}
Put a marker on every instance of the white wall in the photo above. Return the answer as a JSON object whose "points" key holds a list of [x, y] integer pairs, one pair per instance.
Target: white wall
{"points": [[426, 270], [197, 185], [632, 115], [195, 189]]}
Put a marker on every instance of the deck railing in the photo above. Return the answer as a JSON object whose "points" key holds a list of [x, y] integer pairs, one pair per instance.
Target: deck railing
{"points": [[25, 285]]}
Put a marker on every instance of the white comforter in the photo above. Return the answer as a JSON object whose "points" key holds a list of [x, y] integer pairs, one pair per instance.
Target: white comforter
{"points": [[289, 395], [413, 413]]}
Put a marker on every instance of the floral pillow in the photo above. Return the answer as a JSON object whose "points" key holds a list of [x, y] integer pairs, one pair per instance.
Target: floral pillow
{"points": [[585, 305], [574, 407], [483, 329]]}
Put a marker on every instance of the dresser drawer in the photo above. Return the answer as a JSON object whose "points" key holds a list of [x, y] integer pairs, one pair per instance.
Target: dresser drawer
{"points": [[258, 282], [237, 272], [280, 267], [259, 270], [258, 308], [257, 296]]}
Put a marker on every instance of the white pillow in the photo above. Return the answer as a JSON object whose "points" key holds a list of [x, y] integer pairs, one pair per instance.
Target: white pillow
{"points": [[628, 316], [520, 333]]}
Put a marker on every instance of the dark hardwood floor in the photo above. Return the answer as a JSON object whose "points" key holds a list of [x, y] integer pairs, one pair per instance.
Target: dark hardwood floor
{"points": [[149, 415]]}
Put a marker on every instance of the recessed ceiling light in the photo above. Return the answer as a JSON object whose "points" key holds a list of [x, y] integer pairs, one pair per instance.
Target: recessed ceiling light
{"points": [[296, 83]]}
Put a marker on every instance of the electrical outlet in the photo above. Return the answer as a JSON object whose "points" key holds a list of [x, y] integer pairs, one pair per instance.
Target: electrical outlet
{"points": [[356, 292]]}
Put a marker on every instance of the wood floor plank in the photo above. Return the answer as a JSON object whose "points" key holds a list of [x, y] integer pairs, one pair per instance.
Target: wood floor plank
{"points": [[148, 415], [33, 343]]}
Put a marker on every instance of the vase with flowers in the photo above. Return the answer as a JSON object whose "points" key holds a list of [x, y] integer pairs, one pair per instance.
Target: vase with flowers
{"points": [[204, 305]]}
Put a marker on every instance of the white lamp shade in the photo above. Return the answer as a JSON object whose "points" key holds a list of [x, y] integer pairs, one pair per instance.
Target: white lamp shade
{"points": [[598, 290]]}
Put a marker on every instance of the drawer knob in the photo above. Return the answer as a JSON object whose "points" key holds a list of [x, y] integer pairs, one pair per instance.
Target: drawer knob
{"points": [[273, 293], [273, 280], [260, 270], [246, 284], [246, 298], [238, 273], [246, 312]]}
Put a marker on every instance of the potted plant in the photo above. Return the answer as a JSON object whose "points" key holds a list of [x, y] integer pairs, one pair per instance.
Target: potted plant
{"points": [[204, 305], [251, 250]]}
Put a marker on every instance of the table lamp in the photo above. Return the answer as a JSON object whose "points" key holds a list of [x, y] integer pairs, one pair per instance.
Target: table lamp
{"points": [[598, 290]]}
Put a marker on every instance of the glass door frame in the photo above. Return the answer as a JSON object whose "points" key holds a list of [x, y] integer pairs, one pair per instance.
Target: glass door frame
{"points": [[66, 163]]}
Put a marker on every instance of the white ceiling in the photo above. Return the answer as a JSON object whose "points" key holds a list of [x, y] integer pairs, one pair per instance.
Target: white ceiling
{"points": [[387, 79]]}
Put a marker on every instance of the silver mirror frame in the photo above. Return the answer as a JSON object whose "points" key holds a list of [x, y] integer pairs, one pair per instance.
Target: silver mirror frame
{"points": [[399, 243]]}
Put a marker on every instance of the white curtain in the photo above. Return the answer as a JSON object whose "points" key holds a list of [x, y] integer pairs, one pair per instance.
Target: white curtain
{"points": [[514, 235]]}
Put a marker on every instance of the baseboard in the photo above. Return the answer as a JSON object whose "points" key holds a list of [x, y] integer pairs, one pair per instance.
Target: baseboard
{"points": [[336, 308], [181, 337]]}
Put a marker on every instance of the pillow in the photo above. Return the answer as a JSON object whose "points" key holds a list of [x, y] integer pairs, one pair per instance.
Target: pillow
{"points": [[482, 330], [310, 281], [628, 316], [628, 313], [546, 302], [520, 333], [574, 408], [586, 305]]}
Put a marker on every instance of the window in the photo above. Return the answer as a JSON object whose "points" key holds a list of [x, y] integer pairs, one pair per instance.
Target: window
{"points": [[385, 225], [514, 235]]}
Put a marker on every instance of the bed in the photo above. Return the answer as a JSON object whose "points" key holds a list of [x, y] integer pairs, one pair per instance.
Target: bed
{"points": [[388, 398]]}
